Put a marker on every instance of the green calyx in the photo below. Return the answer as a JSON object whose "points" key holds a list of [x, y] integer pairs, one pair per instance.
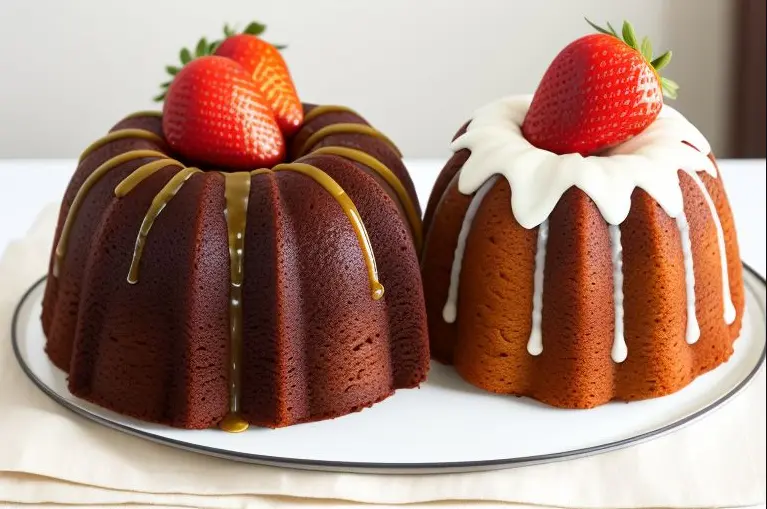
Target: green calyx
{"points": [[206, 48], [628, 35]]}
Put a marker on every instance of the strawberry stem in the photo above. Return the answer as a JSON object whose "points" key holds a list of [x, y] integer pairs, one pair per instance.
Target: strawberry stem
{"points": [[628, 35], [205, 48]]}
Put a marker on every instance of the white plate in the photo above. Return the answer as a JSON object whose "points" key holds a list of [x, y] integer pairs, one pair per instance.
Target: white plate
{"points": [[445, 426]]}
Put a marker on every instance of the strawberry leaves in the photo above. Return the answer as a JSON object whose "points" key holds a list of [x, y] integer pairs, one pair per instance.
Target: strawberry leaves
{"points": [[205, 48], [662, 61], [255, 28], [670, 88], [185, 56], [628, 35], [202, 48], [646, 49]]}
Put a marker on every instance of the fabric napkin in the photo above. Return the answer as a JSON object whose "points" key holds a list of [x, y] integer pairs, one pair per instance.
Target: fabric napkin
{"points": [[50, 455]]}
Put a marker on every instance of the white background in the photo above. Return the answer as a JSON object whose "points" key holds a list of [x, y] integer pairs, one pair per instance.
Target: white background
{"points": [[417, 69]]}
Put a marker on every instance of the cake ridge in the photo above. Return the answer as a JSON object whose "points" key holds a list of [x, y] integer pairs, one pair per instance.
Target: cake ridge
{"points": [[165, 195], [345, 128], [142, 173], [83, 191], [143, 113], [350, 210], [322, 109], [121, 134], [381, 169]]}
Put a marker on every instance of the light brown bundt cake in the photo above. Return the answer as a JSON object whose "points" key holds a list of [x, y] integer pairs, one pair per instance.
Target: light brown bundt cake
{"points": [[579, 280]]}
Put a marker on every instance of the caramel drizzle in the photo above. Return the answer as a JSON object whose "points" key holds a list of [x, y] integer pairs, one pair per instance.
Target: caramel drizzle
{"points": [[143, 172], [318, 111], [381, 169], [347, 205], [120, 134], [82, 193], [236, 192], [159, 202], [332, 129]]}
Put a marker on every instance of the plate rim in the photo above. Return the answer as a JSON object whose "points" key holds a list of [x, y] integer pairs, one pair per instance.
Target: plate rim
{"points": [[387, 468]]}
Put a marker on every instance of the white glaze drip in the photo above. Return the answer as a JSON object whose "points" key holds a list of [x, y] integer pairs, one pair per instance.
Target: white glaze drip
{"points": [[729, 308], [649, 161], [693, 329], [535, 342], [539, 178], [450, 311], [619, 350]]}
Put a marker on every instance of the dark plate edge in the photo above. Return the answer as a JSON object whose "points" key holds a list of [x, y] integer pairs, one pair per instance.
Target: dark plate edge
{"points": [[387, 468]]}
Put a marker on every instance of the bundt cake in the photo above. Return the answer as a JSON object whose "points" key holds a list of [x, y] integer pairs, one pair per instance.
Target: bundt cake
{"points": [[183, 296], [196, 296], [580, 280], [239, 257]]}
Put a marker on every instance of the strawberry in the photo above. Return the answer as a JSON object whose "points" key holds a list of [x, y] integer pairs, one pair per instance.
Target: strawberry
{"points": [[598, 92], [269, 71], [265, 65], [214, 114]]}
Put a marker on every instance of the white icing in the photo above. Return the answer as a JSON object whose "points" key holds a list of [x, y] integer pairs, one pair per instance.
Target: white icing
{"points": [[729, 308], [450, 311], [693, 329], [538, 178], [619, 350], [535, 342]]}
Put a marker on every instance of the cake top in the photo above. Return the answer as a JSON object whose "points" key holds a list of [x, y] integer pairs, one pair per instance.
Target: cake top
{"points": [[596, 122], [650, 161]]}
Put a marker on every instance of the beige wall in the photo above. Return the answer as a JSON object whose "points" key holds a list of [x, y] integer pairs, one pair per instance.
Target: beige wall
{"points": [[416, 68]]}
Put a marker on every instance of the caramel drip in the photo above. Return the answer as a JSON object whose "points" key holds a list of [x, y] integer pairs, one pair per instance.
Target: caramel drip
{"points": [[233, 423], [142, 173], [347, 205], [390, 178], [98, 173], [327, 108], [236, 192], [120, 134], [158, 204], [332, 129], [144, 113]]}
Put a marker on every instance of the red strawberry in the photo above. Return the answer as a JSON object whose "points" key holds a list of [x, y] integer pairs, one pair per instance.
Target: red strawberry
{"points": [[598, 92], [269, 71], [262, 61], [215, 115]]}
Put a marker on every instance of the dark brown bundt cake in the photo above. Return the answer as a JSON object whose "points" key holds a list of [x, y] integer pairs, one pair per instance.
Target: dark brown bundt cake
{"points": [[194, 298]]}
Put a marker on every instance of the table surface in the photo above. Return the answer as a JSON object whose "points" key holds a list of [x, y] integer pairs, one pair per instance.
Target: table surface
{"points": [[29, 185]]}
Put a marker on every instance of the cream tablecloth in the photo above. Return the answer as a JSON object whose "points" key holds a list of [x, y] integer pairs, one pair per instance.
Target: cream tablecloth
{"points": [[50, 455]]}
